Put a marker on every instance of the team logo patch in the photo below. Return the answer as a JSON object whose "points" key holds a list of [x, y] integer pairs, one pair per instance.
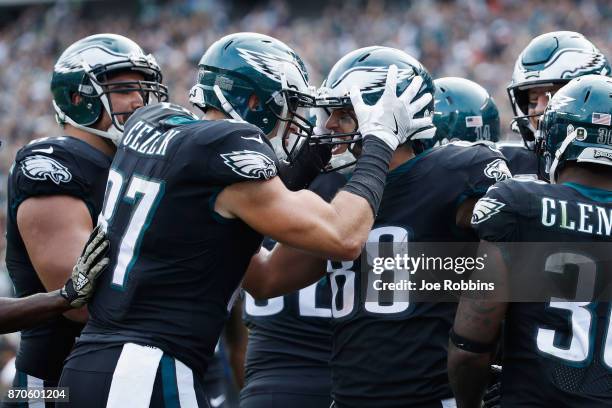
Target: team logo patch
{"points": [[40, 167], [498, 170], [485, 208], [250, 164]]}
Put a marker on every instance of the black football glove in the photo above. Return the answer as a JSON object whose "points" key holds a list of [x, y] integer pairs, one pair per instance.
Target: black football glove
{"points": [[305, 163], [79, 288]]}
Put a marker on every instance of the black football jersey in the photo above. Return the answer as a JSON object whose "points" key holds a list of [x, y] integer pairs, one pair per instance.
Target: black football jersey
{"points": [[522, 162], [45, 167], [389, 352], [559, 353], [290, 336], [175, 264]]}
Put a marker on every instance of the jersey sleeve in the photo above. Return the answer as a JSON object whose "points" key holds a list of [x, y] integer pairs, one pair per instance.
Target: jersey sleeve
{"points": [[495, 215], [48, 170], [488, 167], [242, 154], [523, 163]]}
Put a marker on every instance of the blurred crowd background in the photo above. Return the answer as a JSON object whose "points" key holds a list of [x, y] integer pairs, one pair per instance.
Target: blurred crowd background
{"points": [[476, 39]]}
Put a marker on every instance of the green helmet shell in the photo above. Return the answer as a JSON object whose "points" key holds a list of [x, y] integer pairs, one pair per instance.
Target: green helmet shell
{"points": [[85, 65], [464, 110], [243, 64], [552, 58], [577, 124], [367, 68]]}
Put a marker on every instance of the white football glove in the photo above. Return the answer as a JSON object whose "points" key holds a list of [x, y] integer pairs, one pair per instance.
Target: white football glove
{"points": [[391, 119]]}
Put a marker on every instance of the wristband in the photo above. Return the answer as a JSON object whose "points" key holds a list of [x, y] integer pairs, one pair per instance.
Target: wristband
{"points": [[470, 345], [368, 179]]}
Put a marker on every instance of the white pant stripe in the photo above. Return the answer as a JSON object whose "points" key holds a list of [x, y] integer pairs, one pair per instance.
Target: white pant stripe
{"points": [[34, 382], [134, 376], [184, 382], [449, 403]]}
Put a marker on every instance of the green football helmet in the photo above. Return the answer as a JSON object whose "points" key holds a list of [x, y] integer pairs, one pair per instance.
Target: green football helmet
{"points": [[244, 64], [551, 59], [464, 110], [367, 69], [577, 125], [86, 68]]}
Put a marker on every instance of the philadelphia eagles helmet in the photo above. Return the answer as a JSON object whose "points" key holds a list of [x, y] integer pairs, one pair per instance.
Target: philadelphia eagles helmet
{"points": [[367, 69], [86, 68], [551, 59], [241, 65], [577, 125], [464, 110]]}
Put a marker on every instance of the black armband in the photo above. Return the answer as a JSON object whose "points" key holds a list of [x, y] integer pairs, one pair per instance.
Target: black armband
{"points": [[470, 345], [368, 179]]}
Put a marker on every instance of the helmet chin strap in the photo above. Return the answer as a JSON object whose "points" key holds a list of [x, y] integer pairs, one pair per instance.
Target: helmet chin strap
{"points": [[283, 124], [227, 107], [555, 163], [112, 133]]}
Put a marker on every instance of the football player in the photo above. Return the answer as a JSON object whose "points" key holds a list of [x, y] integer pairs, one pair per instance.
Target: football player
{"points": [[185, 209], [56, 184], [22, 313], [386, 350], [464, 110], [556, 353], [548, 62], [289, 342]]}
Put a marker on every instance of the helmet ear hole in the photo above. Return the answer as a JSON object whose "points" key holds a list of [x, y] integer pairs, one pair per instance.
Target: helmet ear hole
{"points": [[254, 103], [76, 98]]}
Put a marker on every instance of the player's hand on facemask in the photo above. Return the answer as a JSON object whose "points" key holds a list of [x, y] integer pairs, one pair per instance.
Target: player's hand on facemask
{"points": [[391, 119], [79, 288]]}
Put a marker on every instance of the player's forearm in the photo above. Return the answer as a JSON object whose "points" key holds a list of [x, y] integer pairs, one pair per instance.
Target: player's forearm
{"points": [[236, 337], [281, 271], [468, 374], [23, 313], [357, 203]]}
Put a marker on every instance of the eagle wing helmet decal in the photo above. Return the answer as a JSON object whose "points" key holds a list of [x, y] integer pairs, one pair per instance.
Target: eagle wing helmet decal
{"points": [[272, 65], [370, 79]]}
